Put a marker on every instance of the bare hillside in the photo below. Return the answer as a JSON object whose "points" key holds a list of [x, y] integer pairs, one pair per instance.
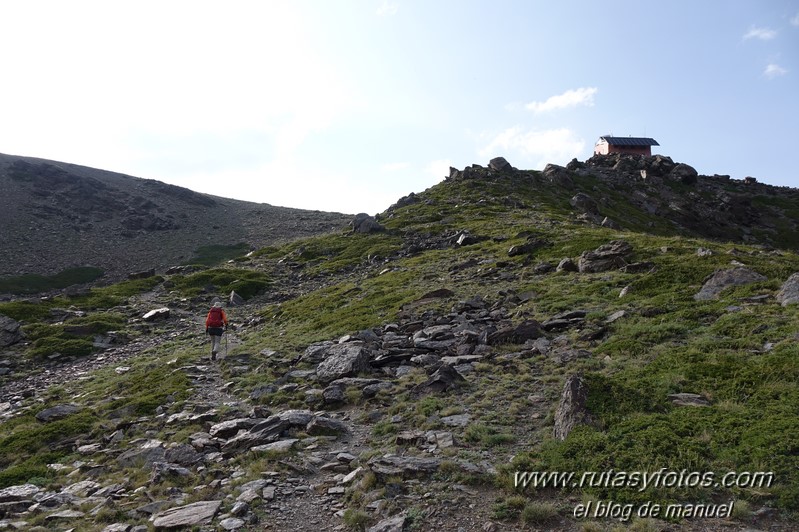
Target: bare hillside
{"points": [[59, 215]]}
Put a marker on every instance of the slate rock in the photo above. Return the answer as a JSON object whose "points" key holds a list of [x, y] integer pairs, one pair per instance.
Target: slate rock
{"points": [[404, 466], [333, 395], [443, 379], [530, 246], [145, 456], [316, 352], [84, 488], [722, 279], [65, 514], [326, 426], [527, 330], [10, 332], [198, 513], [280, 446], [392, 524], [56, 412], [232, 523], [231, 427], [265, 432], [118, 527], [571, 409], [21, 492], [183, 454], [295, 417], [343, 360], [611, 256]]}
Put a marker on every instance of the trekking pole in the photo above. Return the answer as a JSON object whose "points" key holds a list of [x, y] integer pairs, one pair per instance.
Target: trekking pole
{"points": [[225, 346]]}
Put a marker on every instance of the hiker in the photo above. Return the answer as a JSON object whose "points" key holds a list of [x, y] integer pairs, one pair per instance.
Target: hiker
{"points": [[216, 325]]}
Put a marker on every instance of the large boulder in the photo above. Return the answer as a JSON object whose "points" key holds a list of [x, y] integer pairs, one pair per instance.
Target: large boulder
{"points": [[343, 360], [684, 173], [363, 223], [611, 256], [789, 293], [722, 279], [10, 332], [584, 203], [558, 175], [499, 164], [659, 165]]}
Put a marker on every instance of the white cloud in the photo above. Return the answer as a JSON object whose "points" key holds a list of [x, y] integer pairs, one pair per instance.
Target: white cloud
{"points": [[774, 70], [764, 34], [570, 98], [535, 147], [795, 20], [387, 9]]}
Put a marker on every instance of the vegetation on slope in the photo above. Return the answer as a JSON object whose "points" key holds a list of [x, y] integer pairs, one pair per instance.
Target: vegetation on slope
{"points": [[738, 351]]}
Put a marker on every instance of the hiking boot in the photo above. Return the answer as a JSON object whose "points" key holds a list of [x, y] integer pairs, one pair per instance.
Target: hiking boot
{"points": [[213, 355]]}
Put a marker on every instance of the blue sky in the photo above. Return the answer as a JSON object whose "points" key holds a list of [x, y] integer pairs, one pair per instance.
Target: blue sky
{"points": [[344, 105]]}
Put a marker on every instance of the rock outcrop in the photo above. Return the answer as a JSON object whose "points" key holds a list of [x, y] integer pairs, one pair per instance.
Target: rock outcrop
{"points": [[721, 279]]}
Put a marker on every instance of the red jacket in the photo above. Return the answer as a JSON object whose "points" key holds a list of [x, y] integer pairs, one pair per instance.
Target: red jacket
{"points": [[213, 320]]}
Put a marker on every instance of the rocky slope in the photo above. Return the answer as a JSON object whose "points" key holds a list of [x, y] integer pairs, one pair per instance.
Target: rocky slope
{"points": [[59, 215], [398, 378]]}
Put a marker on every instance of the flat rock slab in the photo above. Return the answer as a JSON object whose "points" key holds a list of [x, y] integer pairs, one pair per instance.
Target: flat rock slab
{"points": [[405, 466], [459, 420], [282, 446], [198, 513], [57, 412], [19, 493]]}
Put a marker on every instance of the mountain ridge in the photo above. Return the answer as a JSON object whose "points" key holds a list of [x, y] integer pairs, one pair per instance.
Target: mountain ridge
{"points": [[124, 224]]}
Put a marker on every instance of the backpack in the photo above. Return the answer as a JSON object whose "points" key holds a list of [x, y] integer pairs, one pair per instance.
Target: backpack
{"points": [[215, 317]]}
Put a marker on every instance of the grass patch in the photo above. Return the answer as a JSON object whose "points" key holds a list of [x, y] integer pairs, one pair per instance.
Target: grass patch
{"points": [[217, 253], [73, 338], [33, 283]]}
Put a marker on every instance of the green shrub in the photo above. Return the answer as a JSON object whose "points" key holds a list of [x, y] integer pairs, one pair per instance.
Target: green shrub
{"points": [[246, 283], [355, 519], [535, 513], [26, 311]]}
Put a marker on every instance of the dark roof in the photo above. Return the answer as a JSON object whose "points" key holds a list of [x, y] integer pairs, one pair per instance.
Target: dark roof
{"points": [[630, 141]]}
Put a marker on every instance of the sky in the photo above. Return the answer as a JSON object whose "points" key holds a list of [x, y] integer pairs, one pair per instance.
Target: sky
{"points": [[348, 105]]}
